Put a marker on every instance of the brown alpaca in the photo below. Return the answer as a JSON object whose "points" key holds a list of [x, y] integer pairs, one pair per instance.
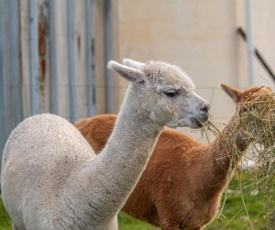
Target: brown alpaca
{"points": [[182, 185]]}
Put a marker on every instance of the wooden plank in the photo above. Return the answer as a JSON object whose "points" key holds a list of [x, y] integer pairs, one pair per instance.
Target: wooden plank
{"points": [[3, 81], [43, 55], [108, 55], [100, 64], [90, 56], [13, 64], [33, 58], [52, 58], [81, 59], [119, 84], [71, 58], [24, 24], [62, 71], [10, 114]]}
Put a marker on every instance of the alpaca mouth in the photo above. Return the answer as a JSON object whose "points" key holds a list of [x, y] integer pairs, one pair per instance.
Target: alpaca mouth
{"points": [[192, 122], [198, 123], [203, 118]]}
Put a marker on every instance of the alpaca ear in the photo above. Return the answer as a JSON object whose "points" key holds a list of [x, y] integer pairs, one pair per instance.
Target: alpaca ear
{"points": [[128, 73], [132, 63], [235, 94]]}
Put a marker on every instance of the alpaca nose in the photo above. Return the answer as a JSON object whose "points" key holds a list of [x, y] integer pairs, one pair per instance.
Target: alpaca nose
{"points": [[205, 107]]}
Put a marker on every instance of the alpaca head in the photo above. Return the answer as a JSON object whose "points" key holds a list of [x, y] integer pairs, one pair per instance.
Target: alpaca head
{"points": [[164, 92], [255, 112]]}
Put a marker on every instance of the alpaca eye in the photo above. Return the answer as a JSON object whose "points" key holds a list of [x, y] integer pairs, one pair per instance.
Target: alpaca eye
{"points": [[170, 93]]}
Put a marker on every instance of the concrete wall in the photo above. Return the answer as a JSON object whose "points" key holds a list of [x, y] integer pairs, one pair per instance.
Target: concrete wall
{"points": [[200, 36]]}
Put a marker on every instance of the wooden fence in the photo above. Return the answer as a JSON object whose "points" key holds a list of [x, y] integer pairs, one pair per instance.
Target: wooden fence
{"points": [[48, 59]]}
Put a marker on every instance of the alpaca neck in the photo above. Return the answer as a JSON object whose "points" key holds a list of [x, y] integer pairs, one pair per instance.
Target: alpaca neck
{"points": [[226, 152], [130, 144], [114, 173]]}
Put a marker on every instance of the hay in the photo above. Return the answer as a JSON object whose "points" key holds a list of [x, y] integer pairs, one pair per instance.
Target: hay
{"points": [[255, 119]]}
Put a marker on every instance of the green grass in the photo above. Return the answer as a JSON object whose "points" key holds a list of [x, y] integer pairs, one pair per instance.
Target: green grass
{"points": [[127, 222], [5, 223], [234, 215], [241, 210]]}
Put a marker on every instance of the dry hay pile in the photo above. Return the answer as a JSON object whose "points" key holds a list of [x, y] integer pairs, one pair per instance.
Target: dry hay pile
{"points": [[260, 115]]}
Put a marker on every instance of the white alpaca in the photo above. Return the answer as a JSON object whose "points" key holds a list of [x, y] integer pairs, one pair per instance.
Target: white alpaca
{"points": [[52, 179]]}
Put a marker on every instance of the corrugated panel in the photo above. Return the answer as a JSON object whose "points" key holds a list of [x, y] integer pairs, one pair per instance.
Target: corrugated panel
{"points": [[46, 60], [71, 57], [3, 80], [33, 58], [53, 80], [10, 68], [90, 56]]}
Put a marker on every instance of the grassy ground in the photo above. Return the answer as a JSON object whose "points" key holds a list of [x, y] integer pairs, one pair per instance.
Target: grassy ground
{"points": [[243, 209], [235, 214]]}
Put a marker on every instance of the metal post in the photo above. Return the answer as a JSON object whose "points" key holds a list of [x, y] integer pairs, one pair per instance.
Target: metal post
{"points": [[33, 57], [71, 56], [250, 46], [108, 54], [53, 79], [258, 55], [90, 59]]}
